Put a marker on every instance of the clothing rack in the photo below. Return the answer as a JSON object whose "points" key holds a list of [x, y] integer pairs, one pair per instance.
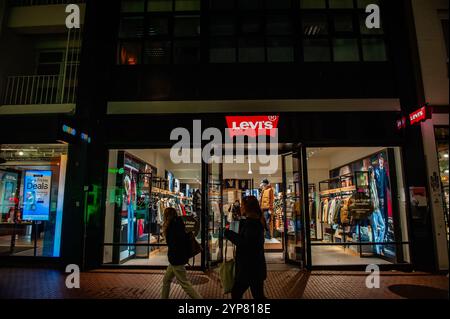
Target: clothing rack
{"points": [[343, 191], [335, 192]]}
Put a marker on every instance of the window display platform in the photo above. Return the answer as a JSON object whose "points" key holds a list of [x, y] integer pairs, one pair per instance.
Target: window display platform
{"points": [[335, 255], [273, 244], [157, 258]]}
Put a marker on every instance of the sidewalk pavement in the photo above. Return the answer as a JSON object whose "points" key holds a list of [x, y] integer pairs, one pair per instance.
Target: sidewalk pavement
{"points": [[290, 283]]}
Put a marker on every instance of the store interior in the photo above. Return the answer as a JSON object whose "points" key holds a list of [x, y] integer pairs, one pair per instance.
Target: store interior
{"points": [[138, 194], [335, 175], [32, 181], [152, 182]]}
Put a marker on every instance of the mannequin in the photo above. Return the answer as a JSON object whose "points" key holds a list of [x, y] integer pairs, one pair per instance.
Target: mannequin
{"points": [[266, 202]]}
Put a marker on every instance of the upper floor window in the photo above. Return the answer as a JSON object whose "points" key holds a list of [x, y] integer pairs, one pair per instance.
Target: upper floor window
{"points": [[247, 31], [159, 32]]}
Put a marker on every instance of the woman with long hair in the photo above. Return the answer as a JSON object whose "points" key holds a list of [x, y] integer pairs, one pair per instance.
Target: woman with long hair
{"points": [[251, 270], [175, 233]]}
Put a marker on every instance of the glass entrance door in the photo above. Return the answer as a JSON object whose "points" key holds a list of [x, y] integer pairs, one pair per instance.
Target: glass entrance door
{"points": [[215, 215], [293, 196]]}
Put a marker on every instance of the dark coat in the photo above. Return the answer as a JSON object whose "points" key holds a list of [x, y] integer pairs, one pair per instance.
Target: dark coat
{"points": [[250, 258], [176, 241]]}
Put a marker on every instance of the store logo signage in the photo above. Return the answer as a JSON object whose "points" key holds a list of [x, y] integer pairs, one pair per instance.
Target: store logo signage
{"points": [[420, 115], [260, 145], [252, 126], [401, 123]]}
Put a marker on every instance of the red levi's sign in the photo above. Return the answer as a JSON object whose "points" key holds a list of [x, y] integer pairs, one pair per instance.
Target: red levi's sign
{"points": [[418, 116], [252, 126]]}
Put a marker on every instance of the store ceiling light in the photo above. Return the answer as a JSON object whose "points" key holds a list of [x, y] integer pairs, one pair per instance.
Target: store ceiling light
{"points": [[21, 153], [446, 155]]}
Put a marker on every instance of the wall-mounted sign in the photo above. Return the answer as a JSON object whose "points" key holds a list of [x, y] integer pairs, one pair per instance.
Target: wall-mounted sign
{"points": [[418, 196], [119, 171], [69, 130], [85, 137], [252, 126], [419, 115], [36, 195], [401, 123]]}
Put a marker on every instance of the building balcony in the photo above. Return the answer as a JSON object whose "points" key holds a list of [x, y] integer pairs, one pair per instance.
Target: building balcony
{"points": [[28, 94]]}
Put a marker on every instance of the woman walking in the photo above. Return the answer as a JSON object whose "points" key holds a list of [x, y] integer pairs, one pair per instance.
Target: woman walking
{"points": [[177, 241], [251, 271]]}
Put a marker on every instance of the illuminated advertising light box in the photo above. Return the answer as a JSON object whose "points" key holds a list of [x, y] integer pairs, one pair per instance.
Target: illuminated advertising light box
{"points": [[36, 195]]}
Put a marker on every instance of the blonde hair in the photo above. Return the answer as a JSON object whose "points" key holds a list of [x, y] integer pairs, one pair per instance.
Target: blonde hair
{"points": [[170, 214]]}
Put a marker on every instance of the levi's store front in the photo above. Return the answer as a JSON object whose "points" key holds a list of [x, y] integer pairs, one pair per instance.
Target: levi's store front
{"points": [[336, 202]]}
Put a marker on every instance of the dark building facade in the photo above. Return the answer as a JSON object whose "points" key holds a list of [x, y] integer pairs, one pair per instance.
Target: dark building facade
{"points": [[337, 88]]}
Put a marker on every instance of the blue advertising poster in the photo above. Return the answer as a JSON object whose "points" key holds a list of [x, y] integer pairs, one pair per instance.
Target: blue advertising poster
{"points": [[36, 195]]}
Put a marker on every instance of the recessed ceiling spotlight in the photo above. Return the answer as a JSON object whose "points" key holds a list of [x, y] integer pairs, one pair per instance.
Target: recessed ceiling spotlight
{"points": [[21, 153]]}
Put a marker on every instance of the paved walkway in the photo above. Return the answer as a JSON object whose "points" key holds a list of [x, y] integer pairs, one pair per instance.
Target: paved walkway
{"points": [[288, 283]]}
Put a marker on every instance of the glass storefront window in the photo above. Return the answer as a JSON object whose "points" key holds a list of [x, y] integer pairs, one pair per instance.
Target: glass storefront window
{"points": [[32, 181], [441, 134], [356, 210], [141, 184]]}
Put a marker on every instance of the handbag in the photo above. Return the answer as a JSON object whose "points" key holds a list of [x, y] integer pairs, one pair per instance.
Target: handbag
{"points": [[227, 273], [194, 247]]}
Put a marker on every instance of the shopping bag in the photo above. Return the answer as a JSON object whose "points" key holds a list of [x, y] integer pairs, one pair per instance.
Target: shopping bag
{"points": [[227, 273]]}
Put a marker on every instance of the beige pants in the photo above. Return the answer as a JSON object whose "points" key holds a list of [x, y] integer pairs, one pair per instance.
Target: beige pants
{"points": [[180, 273]]}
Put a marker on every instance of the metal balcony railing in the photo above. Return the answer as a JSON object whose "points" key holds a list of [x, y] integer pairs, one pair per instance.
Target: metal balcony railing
{"points": [[38, 89], [23, 3]]}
